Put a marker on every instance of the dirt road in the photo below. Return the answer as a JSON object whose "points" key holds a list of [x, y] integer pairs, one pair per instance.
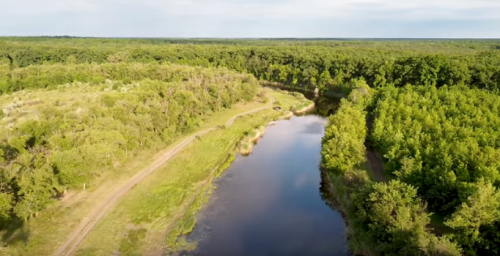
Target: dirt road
{"points": [[375, 160], [375, 164], [72, 243]]}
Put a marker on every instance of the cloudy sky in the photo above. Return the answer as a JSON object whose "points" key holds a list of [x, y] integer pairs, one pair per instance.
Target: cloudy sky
{"points": [[252, 18]]}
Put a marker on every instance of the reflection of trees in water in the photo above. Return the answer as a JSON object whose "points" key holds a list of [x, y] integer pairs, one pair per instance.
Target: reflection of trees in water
{"points": [[325, 192], [330, 199], [327, 195], [326, 106]]}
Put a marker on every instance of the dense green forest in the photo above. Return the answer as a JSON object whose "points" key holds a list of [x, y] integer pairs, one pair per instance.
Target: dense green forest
{"points": [[322, 64], [431, 107], [384, 218], [441, 146], [66, 135], [446, 143]]}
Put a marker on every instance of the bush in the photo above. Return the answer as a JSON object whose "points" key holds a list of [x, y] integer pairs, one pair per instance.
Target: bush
{"points": [[82, 132]]}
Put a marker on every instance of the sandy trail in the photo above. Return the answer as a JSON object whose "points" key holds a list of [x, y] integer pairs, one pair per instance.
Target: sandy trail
{"points": [[72, 243]]}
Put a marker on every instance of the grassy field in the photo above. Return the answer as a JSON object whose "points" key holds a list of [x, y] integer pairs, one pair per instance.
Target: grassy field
{"points": [[149, 219]]}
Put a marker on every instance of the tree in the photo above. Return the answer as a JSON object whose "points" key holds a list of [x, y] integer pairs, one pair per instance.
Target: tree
{"points": [[482, 208], [5, 207], [343, 143], [71, 59], [325, 80], [118, 57]]}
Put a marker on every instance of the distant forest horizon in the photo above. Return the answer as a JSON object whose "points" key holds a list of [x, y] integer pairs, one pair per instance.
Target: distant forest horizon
{"points": [[264, 38]]}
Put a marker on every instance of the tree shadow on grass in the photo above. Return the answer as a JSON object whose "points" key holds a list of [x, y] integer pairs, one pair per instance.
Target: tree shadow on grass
{"points": [[15, 231]]}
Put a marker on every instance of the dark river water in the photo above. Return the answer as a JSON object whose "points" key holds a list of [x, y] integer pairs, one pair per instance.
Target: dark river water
{"points": [[269, 203]]}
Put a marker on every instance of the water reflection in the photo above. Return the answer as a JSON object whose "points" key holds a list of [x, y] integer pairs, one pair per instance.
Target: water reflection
{"points": [[269, 203]]}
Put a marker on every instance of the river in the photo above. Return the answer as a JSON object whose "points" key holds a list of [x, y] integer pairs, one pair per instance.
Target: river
{"points": [[270, 203]]}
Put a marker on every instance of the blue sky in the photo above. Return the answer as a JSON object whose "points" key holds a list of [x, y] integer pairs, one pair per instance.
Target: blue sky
{"points": [[252, 18]]}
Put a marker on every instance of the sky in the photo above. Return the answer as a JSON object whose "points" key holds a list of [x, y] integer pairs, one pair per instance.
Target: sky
{"points": [[252, 18]]}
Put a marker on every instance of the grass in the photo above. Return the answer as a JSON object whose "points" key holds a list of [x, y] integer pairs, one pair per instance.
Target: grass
{"points": [[245, 146], [165, 203], [301, 103], [304, 108], [44, 234], [290, 100]]}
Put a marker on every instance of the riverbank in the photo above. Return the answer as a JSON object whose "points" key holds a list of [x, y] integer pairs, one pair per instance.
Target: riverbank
{"points": [[305, 105], [246, 144], [52, 226], [265, 201], [304, 109], [151, 216]]}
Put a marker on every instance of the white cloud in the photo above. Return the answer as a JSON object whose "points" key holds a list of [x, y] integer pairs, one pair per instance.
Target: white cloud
{"points": [[251, 18], [332, 9], [46, 7]]}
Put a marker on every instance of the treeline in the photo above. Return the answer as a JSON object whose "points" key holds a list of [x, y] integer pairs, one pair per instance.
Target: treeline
{"points": [[51, 140], [326, 65], [446, 142], [49, 76], [384, 218], [456, 46]]}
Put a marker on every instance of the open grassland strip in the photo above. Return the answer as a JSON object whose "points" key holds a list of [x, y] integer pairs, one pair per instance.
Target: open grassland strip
{"points": [[151, 216], [87, 225], [84, 228]]}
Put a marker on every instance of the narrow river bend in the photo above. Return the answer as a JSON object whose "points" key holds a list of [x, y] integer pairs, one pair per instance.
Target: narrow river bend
{"points": [[269, 203]]}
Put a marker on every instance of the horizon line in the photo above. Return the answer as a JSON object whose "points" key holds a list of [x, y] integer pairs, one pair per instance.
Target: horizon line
{"points": [[257, 38]]}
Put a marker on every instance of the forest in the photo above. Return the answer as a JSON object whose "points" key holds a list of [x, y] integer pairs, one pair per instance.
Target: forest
{"points": [[445, 142], [327, 65], [429, 107], [440, 147], [384, 218]]}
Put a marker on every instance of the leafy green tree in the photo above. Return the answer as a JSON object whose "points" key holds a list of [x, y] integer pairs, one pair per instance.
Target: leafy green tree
{"points": [[118, 57], [325, 80], [5, 208], [71, 59], [482, 208], [343, 146]]}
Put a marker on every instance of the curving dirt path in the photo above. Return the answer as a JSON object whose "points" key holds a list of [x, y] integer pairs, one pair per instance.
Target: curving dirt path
{"points": [[375, 164], [374, 159], [72, 243]]}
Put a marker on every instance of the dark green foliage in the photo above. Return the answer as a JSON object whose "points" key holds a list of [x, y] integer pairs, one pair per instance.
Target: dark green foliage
{"points": [[328, 65], [384, 218], [439, 139], [343, 143], [474, 220], [446, 142], [396, 221]]}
